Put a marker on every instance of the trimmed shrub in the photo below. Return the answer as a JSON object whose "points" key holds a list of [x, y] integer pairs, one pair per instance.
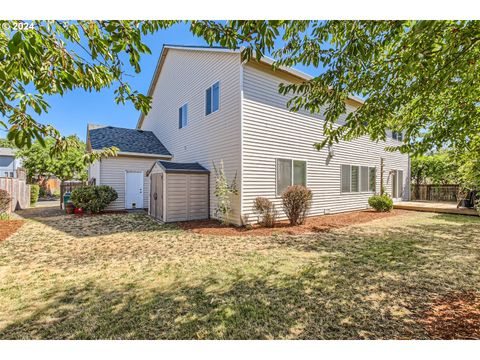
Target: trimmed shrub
{"points": [[266, 211], [4, 201], [34, 192], [297, 200], [381, 203], [93, 198]]}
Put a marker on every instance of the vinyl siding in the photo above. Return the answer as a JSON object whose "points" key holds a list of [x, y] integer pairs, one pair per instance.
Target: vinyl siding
{"points": [[184, 77], [112, 173], [270, 131]]}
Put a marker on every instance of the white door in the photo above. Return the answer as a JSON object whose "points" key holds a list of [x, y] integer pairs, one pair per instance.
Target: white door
{"points": [[134, 190]]}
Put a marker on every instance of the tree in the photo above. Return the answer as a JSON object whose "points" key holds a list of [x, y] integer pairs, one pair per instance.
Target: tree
{"points": [[6, 143], [419, 77], [53, 57], [40, 162]]}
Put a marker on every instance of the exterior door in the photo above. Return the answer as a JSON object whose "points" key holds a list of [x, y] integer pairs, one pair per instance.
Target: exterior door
{"points": [[134, 190], [397, 184]]}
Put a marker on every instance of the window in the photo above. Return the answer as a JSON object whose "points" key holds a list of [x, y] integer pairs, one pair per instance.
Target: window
{"points": [[183, 116], [11, 174], [357, 178], [290, 172], [364, 179], [372, 179], [397, 135], [212, 98]]}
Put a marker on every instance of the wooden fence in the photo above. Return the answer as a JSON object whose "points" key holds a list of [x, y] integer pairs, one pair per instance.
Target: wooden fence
{"points": [[68, 186], [18, 190], [435, 192]]}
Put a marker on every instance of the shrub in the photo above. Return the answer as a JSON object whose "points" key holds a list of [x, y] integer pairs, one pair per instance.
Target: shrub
{"points": [[42, 193], [297, 200], [93, 198], [381, 202], [223, 192], [4, 201], [34, 192], [266, 210]]}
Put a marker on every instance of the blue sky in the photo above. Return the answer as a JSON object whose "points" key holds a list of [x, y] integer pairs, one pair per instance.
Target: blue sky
{"points": [[71, 113]]}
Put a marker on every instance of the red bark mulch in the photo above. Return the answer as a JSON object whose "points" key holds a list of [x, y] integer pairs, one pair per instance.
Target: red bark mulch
{"points": [[313, 224], [8, 227], [454, 316]]}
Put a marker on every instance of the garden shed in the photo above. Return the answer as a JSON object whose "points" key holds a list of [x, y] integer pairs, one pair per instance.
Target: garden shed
{"points": [[178, 191]]}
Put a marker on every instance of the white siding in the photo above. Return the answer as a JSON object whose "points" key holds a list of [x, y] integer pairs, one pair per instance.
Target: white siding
{"points": [[112, 173], [184, 77], [270, 131], [94, 172]]}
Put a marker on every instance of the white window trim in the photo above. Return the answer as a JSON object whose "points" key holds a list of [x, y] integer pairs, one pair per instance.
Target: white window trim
{"points": [[182, 113], [211, 95], [369, 191], [291, 176]]}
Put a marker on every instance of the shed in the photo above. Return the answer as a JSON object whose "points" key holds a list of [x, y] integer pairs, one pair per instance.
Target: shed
{"points": [[179, 191]]}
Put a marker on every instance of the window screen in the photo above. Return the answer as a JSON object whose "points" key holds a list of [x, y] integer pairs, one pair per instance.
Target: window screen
{"points": [[355, 179], [299, 172], [284, 175], [208, 101], [215, 96], [364, 178], [372, 179], [183, 116], [345, 178]]}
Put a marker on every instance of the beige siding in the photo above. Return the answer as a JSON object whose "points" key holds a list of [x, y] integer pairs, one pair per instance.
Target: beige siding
{"points": [[186, 197], [184, 78], [112, 173], [270, 131]]}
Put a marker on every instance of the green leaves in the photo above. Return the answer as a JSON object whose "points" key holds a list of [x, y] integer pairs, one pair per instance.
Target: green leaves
{"points": [[56, 57]]}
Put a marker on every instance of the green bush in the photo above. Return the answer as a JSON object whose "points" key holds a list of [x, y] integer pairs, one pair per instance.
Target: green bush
{"points": [[34, 192], [297, 200], [42, 193], [266, 211], [381, 202], [93, 198], [4, 201]]}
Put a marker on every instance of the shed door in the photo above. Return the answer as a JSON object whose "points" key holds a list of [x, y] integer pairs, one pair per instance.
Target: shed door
{"points": [[187, 197], [134, 190], [156, 196]]}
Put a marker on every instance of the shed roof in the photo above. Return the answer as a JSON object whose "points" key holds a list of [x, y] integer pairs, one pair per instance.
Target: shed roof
{"points": [[174, 167], [126, 140]]}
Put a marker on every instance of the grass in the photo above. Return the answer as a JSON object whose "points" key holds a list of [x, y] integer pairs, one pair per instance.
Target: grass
{"points": [[124, 276]]}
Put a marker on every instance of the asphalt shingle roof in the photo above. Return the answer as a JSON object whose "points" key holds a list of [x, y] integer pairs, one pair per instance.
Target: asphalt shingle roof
{"points": [[127, 140], [182, 167]]}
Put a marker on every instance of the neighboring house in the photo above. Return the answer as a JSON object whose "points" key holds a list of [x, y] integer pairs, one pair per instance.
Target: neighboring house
{"points": [[8, 163], [209, 107]]}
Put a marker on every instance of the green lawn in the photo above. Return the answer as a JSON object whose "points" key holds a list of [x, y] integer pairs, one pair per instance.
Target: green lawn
{"points": [[127, 277]]}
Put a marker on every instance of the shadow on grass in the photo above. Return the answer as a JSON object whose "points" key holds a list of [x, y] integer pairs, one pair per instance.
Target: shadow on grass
{"points": [[248, 309], [81, 226]]}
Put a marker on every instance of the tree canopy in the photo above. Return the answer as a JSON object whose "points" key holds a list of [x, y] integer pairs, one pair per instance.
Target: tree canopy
{"points": [[40, 162], [418, 77]]}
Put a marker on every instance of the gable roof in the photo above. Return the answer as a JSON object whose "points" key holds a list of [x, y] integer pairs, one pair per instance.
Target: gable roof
{"points": [[128, 141], [265, 60], [173, 167]]}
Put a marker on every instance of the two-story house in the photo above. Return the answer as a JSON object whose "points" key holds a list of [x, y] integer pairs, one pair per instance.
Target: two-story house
{"points": [[209, 106]]}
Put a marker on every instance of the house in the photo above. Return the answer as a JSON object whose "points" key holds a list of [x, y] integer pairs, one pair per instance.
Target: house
{"points": [[8, 163], [210, 107]]}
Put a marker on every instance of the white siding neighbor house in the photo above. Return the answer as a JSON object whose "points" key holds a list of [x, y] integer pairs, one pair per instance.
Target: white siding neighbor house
{"points": [[209, 107], [8, 163]]}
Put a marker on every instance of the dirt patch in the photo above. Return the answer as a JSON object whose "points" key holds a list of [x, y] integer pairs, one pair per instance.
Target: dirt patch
{"points": [[313, 224], [454, 316], [8, 227]]}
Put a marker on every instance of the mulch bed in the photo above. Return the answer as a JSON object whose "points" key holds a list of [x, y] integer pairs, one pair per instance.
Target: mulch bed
{"points": [[454, 316], [315, 224], [8, 227]]}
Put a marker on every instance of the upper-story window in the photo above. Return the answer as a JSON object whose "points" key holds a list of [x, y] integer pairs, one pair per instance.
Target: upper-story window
{"points": [[397, 135], [183, 116], [212, 98]]}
